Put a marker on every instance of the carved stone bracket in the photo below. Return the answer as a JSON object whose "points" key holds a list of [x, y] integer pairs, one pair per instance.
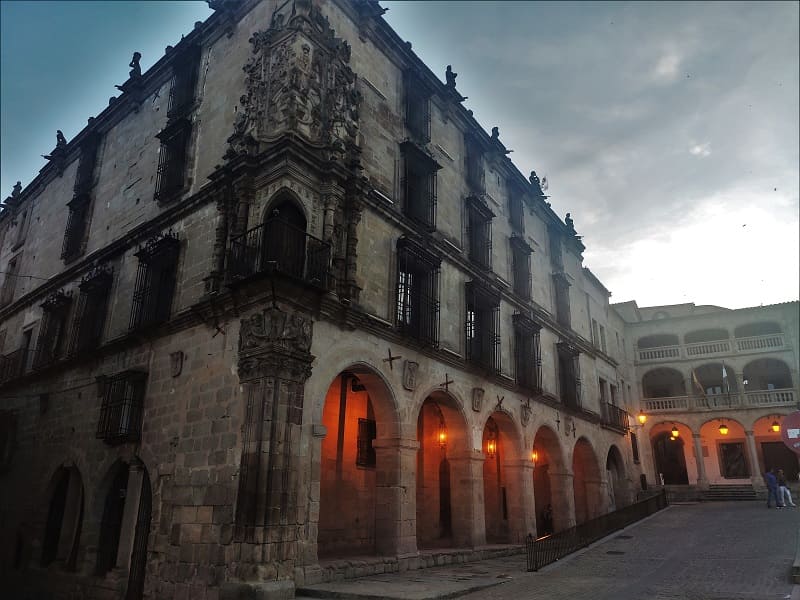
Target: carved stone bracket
{"points": [[273, 341]]}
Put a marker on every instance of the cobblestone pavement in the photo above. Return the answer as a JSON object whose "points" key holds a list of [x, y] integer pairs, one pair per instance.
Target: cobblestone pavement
{"points": [[712, 551]]}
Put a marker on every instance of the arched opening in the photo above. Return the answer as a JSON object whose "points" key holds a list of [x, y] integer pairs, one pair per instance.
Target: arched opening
{"points": [[715, 380], [62, 532], [618, 493], [138, 569], [283, 246], [756, 329], [669, 455], [440, 429], [705, 335], [772, 452], [358, 411], [663, 383], [501, 491], [725, 453], [111, 523], [586, 482], [549, 487], [658, 340], [766, 374]]}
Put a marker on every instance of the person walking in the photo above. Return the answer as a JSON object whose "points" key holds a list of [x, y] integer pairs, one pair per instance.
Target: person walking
{"points": [[783, 490], [772, 489]]}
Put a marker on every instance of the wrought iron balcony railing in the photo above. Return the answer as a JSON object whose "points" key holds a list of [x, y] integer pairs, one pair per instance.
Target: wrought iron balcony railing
{"points": [[279, 247], [615, 417]]}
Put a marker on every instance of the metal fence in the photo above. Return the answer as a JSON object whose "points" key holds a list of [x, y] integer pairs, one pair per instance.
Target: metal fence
{"points": [[550, 548]]}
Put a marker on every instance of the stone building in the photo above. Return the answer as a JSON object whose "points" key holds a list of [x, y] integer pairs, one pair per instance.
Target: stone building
{"points": [[715, 385], [283, 302]]}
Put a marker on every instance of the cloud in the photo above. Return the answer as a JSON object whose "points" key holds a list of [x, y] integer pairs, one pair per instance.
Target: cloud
{"points": [[667, 69], [701, 150]]}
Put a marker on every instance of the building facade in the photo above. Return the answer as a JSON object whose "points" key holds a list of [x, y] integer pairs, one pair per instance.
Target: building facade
{"points": [[723, 380], [284, 301]]}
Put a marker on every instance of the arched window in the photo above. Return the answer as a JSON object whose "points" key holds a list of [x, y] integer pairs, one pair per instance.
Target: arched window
{"points": [[64, 519], [284, 238], [111, 525]]}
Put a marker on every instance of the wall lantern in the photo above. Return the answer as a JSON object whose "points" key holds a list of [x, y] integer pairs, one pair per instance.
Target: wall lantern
{"points": [[491, 445], [723, 429], [776, 427], [642, 417], [534, 456], [675, 433], [441, 434]]}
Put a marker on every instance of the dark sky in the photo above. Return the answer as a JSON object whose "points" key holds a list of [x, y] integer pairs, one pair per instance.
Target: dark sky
{"points": [[669, 130]]}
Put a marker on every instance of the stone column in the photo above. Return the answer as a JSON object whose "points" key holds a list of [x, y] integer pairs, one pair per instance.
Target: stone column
{"points": [[740, 383], [563, 496], [519, 499], [702, 478], [396, 496], [130, 515], [466, 497], [752, 458], [596, 497], [689, 385]]}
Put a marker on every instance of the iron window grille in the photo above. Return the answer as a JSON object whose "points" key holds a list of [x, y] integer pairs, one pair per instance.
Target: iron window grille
{"points": [[483, 327], [184, 82], [90, 312], [84, 178], [77, 221], [479, 232], [367, 432], [475, 171], [418, 109], [155, 280], [419, 185], [569, 374], [170, 177], [121, 411], [528, 353], [417, 311], [51, 336], [561, 287], [10, 281], [521, 266]]}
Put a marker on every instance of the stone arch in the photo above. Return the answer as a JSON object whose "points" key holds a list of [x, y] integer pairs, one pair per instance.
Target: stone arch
{"points": [[657, 340], [283, 196], [113, 491], [616, 476], [503, 468], [663, 382], [669, 454], [360, 418], [444, 439], [727, 448], [283, 239], [716, 379], [767, 374], [65, 514], [552, 491], [756, 329], [460, 439], [711, 334], [587, 482], [771, 451]]}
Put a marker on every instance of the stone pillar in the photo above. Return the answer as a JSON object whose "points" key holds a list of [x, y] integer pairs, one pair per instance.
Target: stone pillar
{"points": [[752, 458], [396, 496], [130, 515], [596, 497], [741, 394], [689, 385], [519, 499], [700, 463], [563, 496], [466, 496]]}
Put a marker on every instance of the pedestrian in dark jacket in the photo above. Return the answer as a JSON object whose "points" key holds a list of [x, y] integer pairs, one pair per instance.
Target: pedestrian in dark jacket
{"points": [[772, 489]]}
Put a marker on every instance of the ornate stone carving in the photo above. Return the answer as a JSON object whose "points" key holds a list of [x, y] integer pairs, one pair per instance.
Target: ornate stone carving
{"points": [[273, 327], [298, 81], [525, 413], [176, 363], [477, 399], [410, 369]]}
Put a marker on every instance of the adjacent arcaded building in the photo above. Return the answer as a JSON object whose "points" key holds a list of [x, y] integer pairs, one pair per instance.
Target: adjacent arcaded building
{"points": [[291, 303]]}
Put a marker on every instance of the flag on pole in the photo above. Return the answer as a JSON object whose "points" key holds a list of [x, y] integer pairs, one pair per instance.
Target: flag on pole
{"points": [[697, 383], [725, 383]]}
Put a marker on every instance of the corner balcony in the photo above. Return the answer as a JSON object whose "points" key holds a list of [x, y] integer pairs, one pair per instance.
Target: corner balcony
{"points": [[751, 399]]}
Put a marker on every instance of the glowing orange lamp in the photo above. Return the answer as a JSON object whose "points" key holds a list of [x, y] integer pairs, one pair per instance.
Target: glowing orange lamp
{"points": [[675, 433], [642, 418], [776, 427]]}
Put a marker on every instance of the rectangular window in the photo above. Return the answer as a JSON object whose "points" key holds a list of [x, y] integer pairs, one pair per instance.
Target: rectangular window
{"points": [[10, 281], [483, 327], [561, 287], [602, 385], [635, 448], [22, 228], [417, 292], [419, 185], [569, 375], [516, 213], [528, 353], [51, 335], [603, 339], [171, 174], [75, 233], [90, 313], [595, 334], [184, 82], [479, 232], [554, 242], [475, 170], [155, 281], [121, 411], [418, 109], [367, 432], [521, 266]]}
